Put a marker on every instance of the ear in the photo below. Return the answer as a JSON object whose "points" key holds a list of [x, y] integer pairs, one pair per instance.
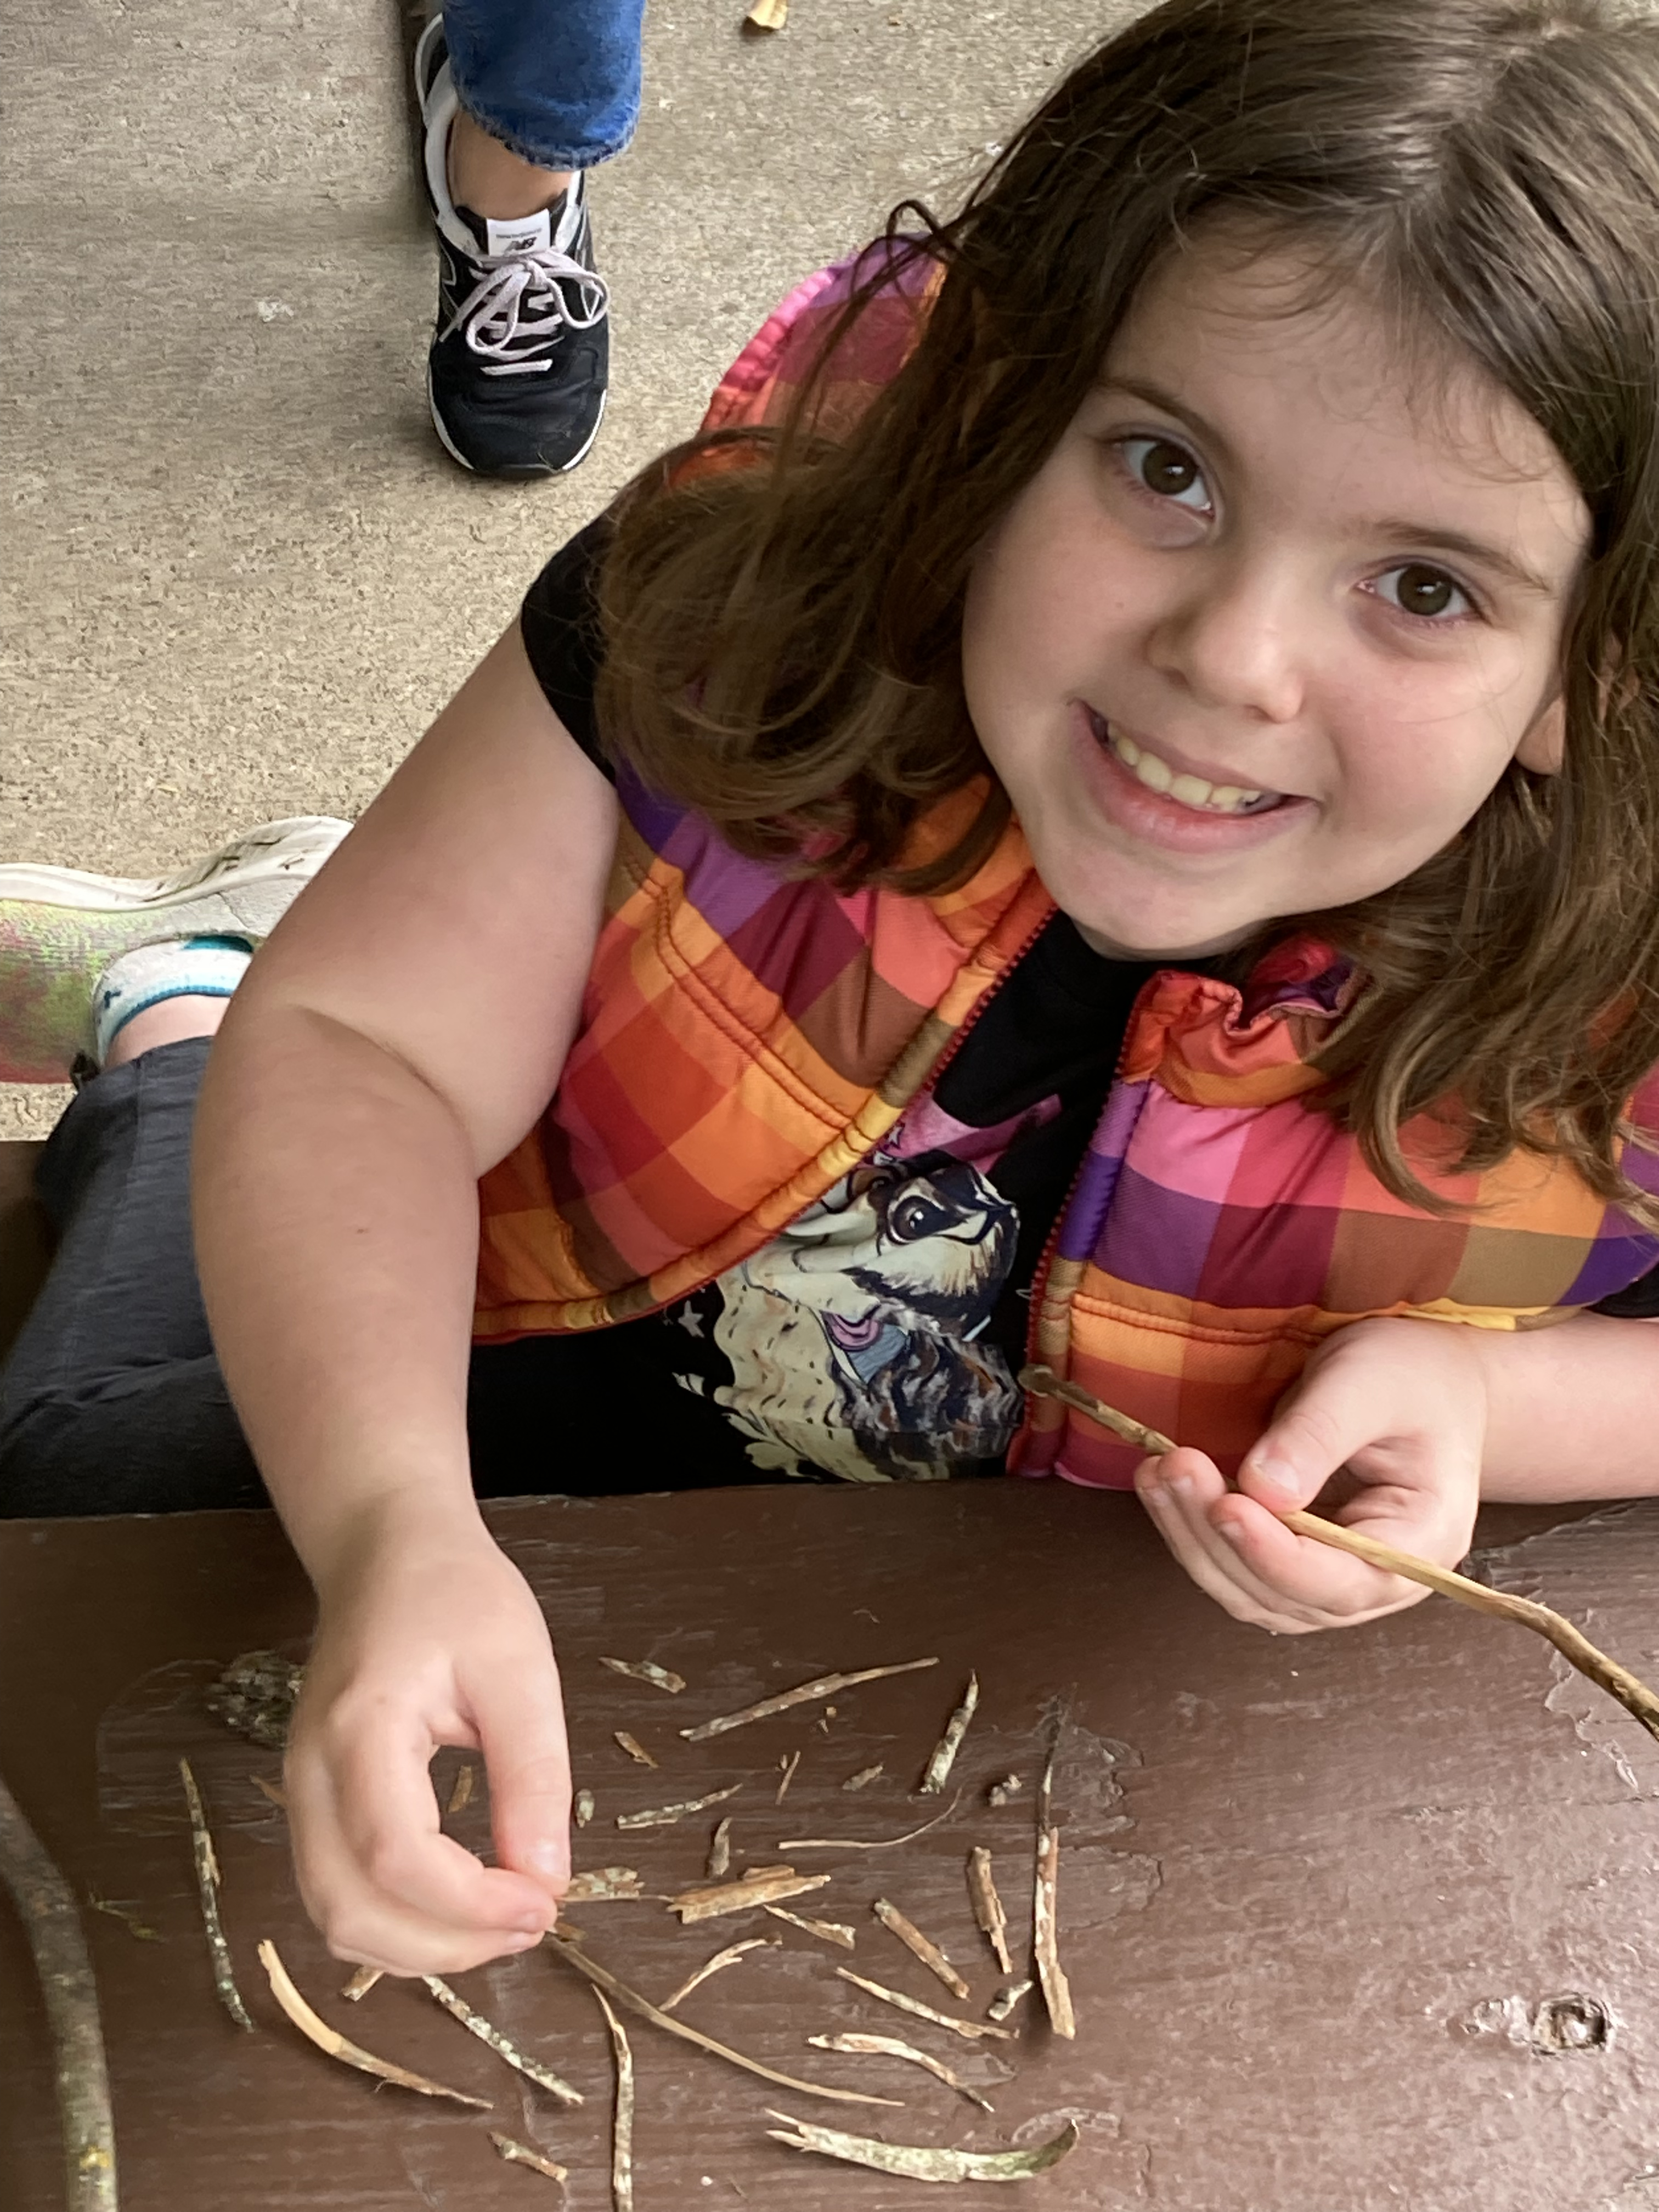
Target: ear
{"points": [[1545, 741]]}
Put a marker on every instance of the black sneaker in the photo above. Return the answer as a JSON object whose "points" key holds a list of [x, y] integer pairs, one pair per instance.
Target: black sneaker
{"points": [[520, 353]]}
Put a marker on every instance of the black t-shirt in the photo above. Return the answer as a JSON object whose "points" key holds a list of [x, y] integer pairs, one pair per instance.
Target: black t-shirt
{"points": [[880, 1336]]}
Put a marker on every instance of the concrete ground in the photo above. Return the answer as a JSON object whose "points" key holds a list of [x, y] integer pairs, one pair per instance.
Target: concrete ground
{"points": [[241, 575]]}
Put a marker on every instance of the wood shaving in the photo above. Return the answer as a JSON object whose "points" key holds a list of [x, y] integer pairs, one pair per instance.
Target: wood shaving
{"points": [[972, 2030], [918, 2164], [621, 2131], [920, 1947], [518, 2154], [603, 1885], [708, 1900], [863, 1778], [360, 1984], [127, 1915], [476, 2024], [273, 1791], [461, 1796], [647, 1670], [888, 2047], [635, 1750], [803, 1693], [936, 1772], [828, 1931], [207, 1887], [665, 1816], [788, 1764], [631, 2001], [338, 2047], [988, 1914], [1045, 1912], [1004, 1792], [582, 1807], [717, 1965], [768, 14], [719, 1851], [881, 1843], [1007, 1997]]}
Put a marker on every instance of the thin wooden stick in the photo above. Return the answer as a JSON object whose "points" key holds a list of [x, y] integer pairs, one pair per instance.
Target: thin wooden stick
{"points": [[803, 1693], [631, 2001], [621, 2131], [486, 2030], [518, 2154], [207, 1884], [920, 1947], [46, 1905], [972, 2030], [717, 1965], [317, 2030], [1577, 1649]]}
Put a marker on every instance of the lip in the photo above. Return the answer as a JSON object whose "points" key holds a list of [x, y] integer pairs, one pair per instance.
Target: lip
{"points": [[1153, 818]]}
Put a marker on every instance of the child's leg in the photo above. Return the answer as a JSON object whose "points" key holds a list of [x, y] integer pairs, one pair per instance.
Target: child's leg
{"points": [[112, 1400]]}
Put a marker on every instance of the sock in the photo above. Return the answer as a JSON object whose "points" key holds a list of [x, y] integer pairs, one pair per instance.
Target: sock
{"points": [[195, 966]]}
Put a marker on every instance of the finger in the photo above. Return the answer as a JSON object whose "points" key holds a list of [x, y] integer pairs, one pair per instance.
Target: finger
{"points": [[369, 1823], [1336, 1411], [1182, 1492], [521, 1728], [1309, 1581]]}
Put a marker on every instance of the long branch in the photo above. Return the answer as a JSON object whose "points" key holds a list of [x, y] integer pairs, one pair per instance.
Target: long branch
{"points": [[1606, 1673], [46, 1908]]}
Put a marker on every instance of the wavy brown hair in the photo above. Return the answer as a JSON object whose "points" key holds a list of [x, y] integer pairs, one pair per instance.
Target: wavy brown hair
{"points": [[784, 641]]}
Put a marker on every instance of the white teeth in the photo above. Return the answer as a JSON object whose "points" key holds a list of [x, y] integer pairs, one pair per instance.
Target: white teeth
{"points": [[1189, 790]]}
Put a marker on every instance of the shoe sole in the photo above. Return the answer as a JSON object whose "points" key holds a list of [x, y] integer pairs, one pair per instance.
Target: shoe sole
{"points": [[275, 854], [544, 469]]}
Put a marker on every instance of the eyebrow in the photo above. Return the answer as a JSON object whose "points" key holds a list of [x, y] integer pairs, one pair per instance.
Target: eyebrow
{"points": [[1430, 535]]}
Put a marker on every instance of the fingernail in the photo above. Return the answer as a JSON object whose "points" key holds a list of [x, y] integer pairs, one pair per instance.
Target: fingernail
{"points": [[1180, 1485], [1276, 1474], [1234, 1534], [548, 1861]]}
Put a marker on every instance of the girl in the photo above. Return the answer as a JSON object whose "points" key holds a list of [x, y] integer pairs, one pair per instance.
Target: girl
{"points": [[1106, 814]]}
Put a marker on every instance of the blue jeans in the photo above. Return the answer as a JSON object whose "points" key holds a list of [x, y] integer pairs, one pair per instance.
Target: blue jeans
{"points": [[557, 81]]}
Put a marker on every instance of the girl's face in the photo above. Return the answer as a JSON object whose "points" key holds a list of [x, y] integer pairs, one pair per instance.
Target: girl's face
{"points": [[1274, 616]]}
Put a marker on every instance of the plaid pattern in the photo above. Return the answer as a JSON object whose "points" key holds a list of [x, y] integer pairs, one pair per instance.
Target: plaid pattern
{"points": [[746, 1038]]}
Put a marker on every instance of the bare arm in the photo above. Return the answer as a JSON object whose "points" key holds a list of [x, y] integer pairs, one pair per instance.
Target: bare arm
{"points": [[401, 1031]]}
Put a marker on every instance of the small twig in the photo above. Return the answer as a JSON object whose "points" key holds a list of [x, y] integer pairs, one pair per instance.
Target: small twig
{"points": [[360, 1984], [919, 2162], [603, 1978], [665, 1816], [461, 1796], [888, 2047], [622, 2132], [503, 2046], [989, 1915], [719, 1851], [46, 1905], [326, 2038], [828, 1931], [788, 1764], [1045, 1908], [972, 2029], [717, 1965], [763, 1885], [920, 1947], [207, 1885], [518, 2154], [863, 1778], [803, 1693], [635, 1750], [1618, 1681], [881, 1843], [938, 1771], [647, 1670]]}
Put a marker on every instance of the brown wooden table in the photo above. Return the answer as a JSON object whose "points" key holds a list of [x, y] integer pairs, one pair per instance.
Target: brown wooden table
{"points": [[1314, 1891]]}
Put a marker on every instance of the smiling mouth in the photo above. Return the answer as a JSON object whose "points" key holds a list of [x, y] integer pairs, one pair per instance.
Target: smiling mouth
{"points": [[1186, 790]]}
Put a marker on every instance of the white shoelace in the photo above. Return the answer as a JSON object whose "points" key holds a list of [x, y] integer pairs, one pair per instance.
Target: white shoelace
{"points": [[518, 309]]}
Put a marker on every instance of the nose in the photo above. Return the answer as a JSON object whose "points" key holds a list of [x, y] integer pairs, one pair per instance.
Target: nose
{"points": [[1233, 638]]}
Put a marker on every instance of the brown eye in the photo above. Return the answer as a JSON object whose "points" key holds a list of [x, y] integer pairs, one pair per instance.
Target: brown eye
{"points": [[1424, 592], [1165, 468]]}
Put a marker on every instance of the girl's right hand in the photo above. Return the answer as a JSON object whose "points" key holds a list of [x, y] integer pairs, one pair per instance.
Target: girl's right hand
{"points": [[428, 1635]]}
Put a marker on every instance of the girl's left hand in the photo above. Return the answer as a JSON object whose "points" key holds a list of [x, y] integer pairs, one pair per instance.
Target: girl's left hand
{"points": [[1399, 1405]]}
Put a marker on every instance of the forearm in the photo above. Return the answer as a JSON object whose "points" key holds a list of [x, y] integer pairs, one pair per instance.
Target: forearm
{"points": [[336, 1226], [1573, 1410]]}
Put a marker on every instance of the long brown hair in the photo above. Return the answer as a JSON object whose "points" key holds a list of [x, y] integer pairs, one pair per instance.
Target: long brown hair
{"points": [[784, 641]]}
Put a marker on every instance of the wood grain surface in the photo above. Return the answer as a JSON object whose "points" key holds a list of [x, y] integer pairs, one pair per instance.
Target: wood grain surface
{"points": [[1323, 1901]]}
